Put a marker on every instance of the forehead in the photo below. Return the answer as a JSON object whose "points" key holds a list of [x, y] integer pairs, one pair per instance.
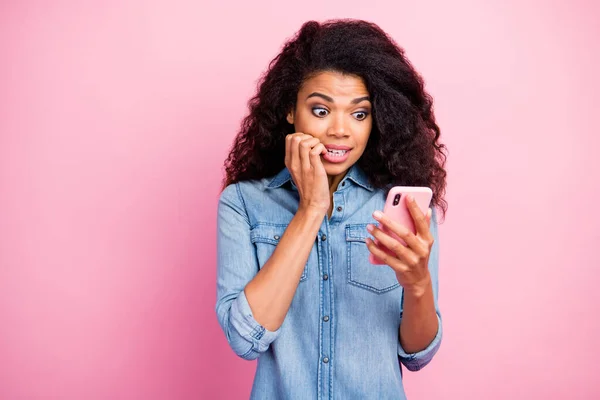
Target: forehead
{"points": [[334, 84]]}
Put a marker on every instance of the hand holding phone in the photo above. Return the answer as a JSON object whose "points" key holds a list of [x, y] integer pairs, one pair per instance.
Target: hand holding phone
{"points": [[396, 209]]}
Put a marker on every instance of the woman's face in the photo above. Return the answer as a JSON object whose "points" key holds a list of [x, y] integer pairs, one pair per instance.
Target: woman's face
{"points": [[335, 108]]}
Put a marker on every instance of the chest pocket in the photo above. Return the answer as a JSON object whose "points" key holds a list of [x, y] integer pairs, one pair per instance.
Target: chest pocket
{"points": [[265, 237], [361, 273]]}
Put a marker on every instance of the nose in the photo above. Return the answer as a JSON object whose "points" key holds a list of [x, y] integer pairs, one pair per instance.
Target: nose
{"points": [[338, 127]]}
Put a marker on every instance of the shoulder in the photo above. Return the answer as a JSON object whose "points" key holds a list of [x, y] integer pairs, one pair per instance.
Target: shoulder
{"points": [[247, 190]]}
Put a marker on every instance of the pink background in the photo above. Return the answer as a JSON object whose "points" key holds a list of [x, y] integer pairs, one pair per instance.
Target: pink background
{"points": [[115, 118]]}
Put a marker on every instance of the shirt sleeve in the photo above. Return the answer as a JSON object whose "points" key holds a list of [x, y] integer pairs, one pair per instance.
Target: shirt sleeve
{"points": [[416, 361], [236, 266]]}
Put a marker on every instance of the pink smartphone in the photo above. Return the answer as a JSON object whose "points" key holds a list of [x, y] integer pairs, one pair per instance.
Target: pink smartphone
{"points": [[395, 208]]}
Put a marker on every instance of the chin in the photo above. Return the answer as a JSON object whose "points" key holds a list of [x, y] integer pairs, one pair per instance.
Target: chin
{"points": [[337, 169]]}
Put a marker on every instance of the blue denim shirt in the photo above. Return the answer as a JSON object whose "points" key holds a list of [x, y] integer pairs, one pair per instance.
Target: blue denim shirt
{"points": [[339, 339]]}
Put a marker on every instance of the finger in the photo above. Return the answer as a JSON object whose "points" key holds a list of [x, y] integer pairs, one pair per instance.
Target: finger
{"points": [[385, 257], [397, 228], [295, 161], [315, 157], [288, 149], [409, 255], [306, 145], [418, 217], [318, 149]]}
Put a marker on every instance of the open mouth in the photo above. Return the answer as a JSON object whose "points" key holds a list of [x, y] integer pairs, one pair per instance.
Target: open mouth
{"points": [[337, 153]]}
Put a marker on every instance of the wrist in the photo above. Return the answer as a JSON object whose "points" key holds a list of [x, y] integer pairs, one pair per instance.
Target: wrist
{"points": [[311, 210], [420, 289]]}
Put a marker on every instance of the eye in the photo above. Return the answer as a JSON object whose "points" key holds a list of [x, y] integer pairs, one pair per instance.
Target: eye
{"points": [[361, 115], [320, 112]]}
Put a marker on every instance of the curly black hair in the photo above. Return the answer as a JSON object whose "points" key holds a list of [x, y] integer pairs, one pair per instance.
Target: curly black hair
{"points": [[403, 147]]}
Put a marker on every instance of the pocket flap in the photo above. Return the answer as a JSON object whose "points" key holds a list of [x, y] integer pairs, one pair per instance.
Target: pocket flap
{"points": [[267, 233], [356, 232]]}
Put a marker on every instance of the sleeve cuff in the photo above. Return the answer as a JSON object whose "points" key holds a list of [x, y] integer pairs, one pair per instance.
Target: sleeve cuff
{"points": [[416, 361], [244, 323]]}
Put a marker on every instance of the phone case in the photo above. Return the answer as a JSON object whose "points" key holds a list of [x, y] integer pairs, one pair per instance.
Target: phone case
{"points": [[400, 212]]}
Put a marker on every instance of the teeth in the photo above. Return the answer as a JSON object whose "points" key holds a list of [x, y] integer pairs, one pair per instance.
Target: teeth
{"points": [[337, 152]]}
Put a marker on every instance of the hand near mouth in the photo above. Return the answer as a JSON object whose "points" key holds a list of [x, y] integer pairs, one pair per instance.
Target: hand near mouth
{"points": [[303, 160]]}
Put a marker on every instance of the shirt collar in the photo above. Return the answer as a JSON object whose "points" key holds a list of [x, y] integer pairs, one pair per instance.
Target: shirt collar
{"points": [[355, 174]]}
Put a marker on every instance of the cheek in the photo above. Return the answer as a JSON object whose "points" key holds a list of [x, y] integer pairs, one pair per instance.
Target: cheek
{"points": [[362, 136], [311, 126]]}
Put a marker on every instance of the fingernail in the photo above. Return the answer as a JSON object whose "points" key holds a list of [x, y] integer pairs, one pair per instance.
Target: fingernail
{"points": [[370, 228], [377, 214], [410, 198]]}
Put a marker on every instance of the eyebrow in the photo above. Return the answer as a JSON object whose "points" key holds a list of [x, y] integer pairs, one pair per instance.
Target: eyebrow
{"points": [[329, 99]]}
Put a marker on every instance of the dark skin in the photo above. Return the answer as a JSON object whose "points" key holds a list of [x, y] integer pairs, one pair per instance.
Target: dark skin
{"points": [[333, 108], [410, 262]]}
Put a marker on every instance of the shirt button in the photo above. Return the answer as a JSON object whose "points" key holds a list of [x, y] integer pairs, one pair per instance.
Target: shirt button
{"points": [[276, 237], [344, 183], [339, 209], [325, 360], [326, 318], [325, 277], [324, 237]]}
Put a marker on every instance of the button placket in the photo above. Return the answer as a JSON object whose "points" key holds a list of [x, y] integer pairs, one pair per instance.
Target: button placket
{"points": [[325, 311], [338, 208]]}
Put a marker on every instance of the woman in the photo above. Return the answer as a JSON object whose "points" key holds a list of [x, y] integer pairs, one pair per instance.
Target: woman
{"points": [[340, 117]]}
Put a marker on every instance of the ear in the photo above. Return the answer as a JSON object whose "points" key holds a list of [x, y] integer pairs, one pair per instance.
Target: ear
{"points": [[290, 117]]}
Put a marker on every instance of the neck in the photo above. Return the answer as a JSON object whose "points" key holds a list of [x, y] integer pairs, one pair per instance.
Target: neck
{"points": [[334, 181]]}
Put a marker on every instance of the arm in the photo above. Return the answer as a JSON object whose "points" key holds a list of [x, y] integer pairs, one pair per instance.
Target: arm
{"points": [[271, 291], [419, 320], [416, 267], [420, 332], [251, 306]]}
